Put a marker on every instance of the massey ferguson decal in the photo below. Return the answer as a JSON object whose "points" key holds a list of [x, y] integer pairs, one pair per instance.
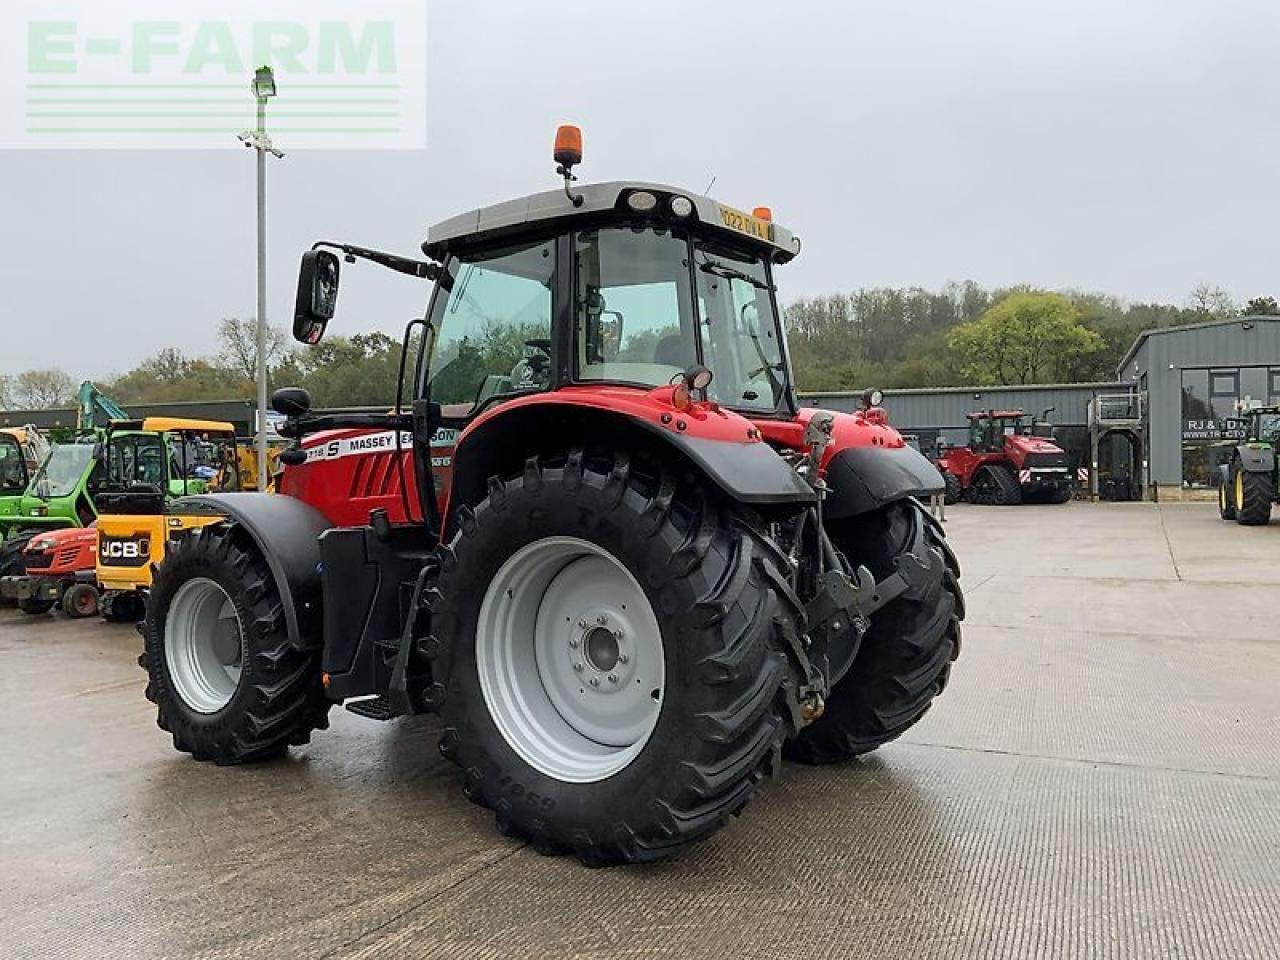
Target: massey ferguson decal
{"points": [[384, 442]]}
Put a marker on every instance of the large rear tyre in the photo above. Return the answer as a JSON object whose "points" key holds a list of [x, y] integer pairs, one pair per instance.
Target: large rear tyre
{"points": [[611, 659], [905, 657], [11, 562], [227, 682], [996, 486], [1253, 493]]}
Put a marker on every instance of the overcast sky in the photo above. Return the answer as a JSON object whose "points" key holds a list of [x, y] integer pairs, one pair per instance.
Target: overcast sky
{"points": [[1125, 146]]}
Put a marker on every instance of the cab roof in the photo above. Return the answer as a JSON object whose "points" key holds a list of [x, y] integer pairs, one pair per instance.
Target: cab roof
{"points": [[553, 208], [165, 424]]}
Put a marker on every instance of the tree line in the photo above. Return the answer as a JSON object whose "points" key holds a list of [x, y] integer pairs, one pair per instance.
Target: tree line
{"points": [[961, 335]]}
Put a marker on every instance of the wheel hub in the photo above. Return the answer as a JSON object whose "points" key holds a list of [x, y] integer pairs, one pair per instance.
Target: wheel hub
{"points": [[570, 659], [202, 645]]}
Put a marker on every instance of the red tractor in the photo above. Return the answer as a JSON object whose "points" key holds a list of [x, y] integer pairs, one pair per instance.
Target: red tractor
{"points": [[1010, 459], [605, 547], [60, 572]]}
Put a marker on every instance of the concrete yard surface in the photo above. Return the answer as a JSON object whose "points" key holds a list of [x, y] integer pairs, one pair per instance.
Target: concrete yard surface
{"points": [[1100, 779]]}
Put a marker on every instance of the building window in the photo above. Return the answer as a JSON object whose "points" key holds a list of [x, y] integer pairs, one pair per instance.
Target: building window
{"points": [[1273, 385], [1224, 383]]}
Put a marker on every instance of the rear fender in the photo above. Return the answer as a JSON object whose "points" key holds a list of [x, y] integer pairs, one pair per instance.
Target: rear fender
{"points": [[287, 533], [1256, 459], [722, 446]]}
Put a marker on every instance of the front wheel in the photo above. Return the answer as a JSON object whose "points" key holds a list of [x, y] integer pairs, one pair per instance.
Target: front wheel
{"points": [[1226, 502], [35, 606], [905, 657], [954, 491], [611, 656], [227, 682]]}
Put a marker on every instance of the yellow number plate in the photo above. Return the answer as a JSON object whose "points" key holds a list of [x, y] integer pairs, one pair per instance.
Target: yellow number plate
{"points": [[744, 223]]}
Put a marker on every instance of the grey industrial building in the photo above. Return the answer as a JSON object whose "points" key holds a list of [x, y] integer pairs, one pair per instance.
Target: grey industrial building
{"points": [[1164, 422]]}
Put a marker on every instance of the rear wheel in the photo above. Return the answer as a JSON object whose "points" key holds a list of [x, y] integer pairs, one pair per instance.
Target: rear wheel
{"points": [[995, 486], [11, 562], [1253, 493], [905, 658], [611, 659], [80, 600], [228, 683], [1060, 494]]}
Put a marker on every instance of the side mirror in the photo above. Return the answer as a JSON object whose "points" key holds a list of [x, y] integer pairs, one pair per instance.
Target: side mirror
{"points": [[291, 402], [610, 334], [317, 295]]}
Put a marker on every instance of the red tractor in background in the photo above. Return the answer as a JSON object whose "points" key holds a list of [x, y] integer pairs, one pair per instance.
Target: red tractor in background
{"points": [[604, 545], [60, 572], [1010, 459]]}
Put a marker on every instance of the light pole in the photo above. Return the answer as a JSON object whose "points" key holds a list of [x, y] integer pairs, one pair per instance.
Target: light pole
{"points": [[264, 88]]}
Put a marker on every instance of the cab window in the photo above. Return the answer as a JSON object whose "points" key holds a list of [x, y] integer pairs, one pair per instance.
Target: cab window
{"points": [[493, 327], [634, 306]]}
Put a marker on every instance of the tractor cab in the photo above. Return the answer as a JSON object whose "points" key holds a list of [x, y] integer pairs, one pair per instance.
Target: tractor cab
{"points": [[1264, 425], [21, 451], [988, 429]]}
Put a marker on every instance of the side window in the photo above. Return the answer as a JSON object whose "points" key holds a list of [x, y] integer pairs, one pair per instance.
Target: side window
{"points": [[634, 306], [493, 330]]}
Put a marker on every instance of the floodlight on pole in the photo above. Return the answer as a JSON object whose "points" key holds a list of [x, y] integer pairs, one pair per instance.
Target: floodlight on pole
{"points": [[264, 88]]}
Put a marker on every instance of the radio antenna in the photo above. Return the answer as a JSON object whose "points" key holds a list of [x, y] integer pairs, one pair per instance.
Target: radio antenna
{"points": [[707, 192]]}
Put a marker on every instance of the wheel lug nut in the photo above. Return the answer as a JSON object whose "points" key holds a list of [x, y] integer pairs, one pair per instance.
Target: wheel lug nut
{"points": [[617, 634], [574, 643], [602, 619], [595, 681], [623, 658], [613, 678], [582, 624], [577, 667]]}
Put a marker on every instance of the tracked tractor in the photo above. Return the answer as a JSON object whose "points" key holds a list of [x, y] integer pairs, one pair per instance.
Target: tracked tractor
{"points": [[1249, 483], [1010, 459], [604, 545]]}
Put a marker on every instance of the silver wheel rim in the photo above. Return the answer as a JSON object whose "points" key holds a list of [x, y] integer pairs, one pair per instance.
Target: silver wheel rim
{"points": [[202, 646], [570, 659]]}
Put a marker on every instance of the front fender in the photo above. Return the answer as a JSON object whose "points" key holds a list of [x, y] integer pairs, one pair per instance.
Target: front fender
{"points": [[863, 479], [287, 533]]}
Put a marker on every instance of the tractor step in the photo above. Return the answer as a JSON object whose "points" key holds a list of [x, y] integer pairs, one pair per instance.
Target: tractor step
{"points": [[375, 708]]}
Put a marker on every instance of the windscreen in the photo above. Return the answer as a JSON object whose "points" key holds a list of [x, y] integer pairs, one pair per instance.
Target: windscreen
{"points": [[13, 468], [62, 470]]}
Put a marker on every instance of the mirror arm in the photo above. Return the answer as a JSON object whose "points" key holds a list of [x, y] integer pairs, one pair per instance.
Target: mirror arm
{"points": [[295, 429], [424, 269]]}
